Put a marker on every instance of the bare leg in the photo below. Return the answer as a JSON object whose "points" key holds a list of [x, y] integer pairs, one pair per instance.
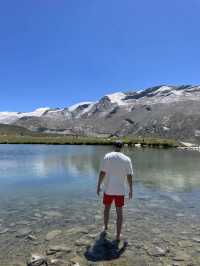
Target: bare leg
{"points": [[106, 216], [119, 221]]}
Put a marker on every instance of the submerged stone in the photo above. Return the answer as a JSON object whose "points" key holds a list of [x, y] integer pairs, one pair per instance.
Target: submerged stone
{"points": [[31, 237], [51, 235], [37, 260], [82, 242], [196, 239], [22, 232], [3, 231], [181, 256], [23, 222], [157, 251], [58, 248], [77, 230], [156, 231], [53, 214]]}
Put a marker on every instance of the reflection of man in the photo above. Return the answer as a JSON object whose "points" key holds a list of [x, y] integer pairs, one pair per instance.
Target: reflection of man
{"points": [[115, 169]]}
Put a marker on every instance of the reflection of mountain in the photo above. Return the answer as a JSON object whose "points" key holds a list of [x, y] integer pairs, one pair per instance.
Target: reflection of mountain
{"points": [[165, 170], [169, 170], [83, 162]]}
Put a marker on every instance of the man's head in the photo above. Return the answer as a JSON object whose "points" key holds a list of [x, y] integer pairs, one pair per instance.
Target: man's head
{"points": [[118, 145]]}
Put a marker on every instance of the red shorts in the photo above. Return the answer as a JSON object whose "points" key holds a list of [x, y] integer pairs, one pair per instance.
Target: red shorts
{"points": [[108, 199]]}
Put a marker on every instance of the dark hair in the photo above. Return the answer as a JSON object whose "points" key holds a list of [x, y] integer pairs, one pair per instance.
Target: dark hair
{"points": [[118, 144]]}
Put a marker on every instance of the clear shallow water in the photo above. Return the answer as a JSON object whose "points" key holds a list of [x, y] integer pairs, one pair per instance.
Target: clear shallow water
{"points": [[39, 178], [43, 170]]}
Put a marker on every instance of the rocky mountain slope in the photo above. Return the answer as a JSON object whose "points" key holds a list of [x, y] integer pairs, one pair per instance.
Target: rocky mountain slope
{"points": [[162, 111]]}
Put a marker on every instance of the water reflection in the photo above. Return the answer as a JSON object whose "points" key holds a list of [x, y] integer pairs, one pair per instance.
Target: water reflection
{"points": [[165, 170]]}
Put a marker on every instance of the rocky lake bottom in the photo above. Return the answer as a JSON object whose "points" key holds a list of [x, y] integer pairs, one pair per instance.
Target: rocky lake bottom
{"points": [[69, 233]]}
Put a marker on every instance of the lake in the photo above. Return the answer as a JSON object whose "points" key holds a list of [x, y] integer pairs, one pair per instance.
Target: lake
{"points": [[46, 189]]}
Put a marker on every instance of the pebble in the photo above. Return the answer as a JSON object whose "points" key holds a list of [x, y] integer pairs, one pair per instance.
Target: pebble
{"points": [[38, 215], [181, 256], [82, 242], [67, 220], [12, 224], [77, 230], [22, 232], [175, 263], [23, 223], [97, 217], [196, 239], [180, 215], [184, 244], [78, 261], [53, 214], [31, 237], [58, 248], [5, 230], [37, 260], [157, 251], [55, 262], [156, 231], [51, 235], [93, 236]]}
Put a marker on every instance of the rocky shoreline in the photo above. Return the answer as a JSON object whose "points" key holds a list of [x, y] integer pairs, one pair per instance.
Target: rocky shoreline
{"points": [[51, 235]]}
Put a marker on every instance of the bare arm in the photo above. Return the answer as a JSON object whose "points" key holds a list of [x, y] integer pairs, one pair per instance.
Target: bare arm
{"points": [[130, 184], [101, 177]]}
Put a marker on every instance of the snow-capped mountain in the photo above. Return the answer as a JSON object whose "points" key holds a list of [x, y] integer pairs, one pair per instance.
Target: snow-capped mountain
{"points": [[164, 111], [11, 117]]}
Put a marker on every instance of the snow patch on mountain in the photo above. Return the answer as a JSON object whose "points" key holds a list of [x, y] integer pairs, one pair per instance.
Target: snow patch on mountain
{"points": [[11, 117], [86, 110], [167, 94], [8, 117], [164, 89], [117, 98], [38, 112], [75, 106]]}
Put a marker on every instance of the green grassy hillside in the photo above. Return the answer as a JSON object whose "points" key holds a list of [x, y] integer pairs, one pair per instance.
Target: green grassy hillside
{"points": [[19, 135]]}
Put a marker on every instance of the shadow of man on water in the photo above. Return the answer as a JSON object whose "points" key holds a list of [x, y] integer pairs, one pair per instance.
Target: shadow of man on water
{"points": [[104, 249]]}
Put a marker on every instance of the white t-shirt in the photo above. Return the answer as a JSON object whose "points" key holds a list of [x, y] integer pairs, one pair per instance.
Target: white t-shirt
{"points": [[117, 166]]}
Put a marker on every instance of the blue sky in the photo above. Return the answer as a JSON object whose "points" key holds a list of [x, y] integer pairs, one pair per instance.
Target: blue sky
{"points": [[58, 52]]}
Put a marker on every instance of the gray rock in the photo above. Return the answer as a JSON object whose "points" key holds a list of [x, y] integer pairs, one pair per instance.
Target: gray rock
{"points": [[37, 260], [23, 222], [53, 214], [181, 256], [156, 231], [82, 242], [12, 224], [58, 248], [31, 237], [196, 239], [22, 232], [38, 215], [180, 215], [77, 230], [185, 244], [3, 231], [157, 251], [51, 235]]}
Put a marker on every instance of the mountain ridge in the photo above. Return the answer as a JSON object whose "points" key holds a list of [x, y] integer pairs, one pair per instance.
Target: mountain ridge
{"points": [[160, 111]]}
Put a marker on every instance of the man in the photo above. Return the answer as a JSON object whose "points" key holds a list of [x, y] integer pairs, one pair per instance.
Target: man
{"points": [[115, 169]]}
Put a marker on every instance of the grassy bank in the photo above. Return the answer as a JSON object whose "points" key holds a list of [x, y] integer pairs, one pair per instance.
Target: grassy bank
{"points": [[56, 140]]}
